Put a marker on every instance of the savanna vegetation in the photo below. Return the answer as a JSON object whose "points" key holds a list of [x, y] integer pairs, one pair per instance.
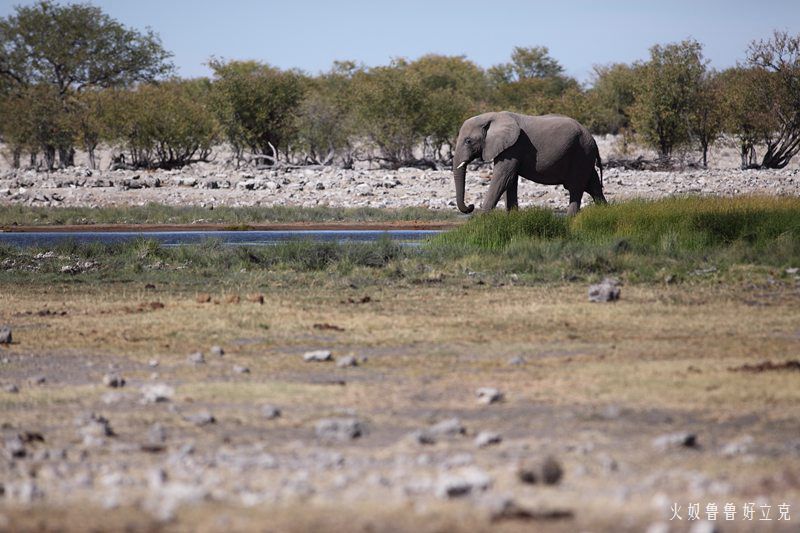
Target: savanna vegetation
{"points": [[671, 240], [116, 86]]}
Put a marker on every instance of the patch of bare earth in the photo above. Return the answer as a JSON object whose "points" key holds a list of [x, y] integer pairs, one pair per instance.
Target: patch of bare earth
{"points": [[634, 400]]}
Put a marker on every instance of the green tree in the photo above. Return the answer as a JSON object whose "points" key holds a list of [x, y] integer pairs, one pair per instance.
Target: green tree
{"points": [[747, 104], [707, 117], [455, 89], [76, 46], [780, 55], [391, 110], [258, 106], [327, 123], [532, 82], [166, 125], [64, 50], [666, 95], [611, 97]]}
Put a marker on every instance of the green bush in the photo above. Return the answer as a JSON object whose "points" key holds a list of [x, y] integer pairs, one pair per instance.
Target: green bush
{"points": [[166, 125]]}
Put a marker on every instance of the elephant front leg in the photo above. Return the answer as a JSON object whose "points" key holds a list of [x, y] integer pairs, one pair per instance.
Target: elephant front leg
{"points": [[505, 171], [574, 202], [512, 201]]}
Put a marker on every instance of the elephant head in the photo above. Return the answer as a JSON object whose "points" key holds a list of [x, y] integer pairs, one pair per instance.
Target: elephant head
{"points": [[484, 136]]}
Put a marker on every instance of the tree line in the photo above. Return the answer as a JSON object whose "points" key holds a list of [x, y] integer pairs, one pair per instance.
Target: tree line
{"points": [[71, 77]]}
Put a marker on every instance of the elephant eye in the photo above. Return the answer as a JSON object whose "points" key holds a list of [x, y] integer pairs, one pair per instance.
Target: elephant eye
{"points": [[467, 141]]}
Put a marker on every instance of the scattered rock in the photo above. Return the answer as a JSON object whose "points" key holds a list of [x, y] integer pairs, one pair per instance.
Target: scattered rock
{"points": [[270, 411], [489, 395], [37, 380], [113, 380], [15, 448], [740, 446], [196, 358], [487, 438], [5, 334], [448, 428], [156, 434], [346, 361], [152, 363], [157, 392], [675, 440], [217, 351], [201, 418], [605, 291], [338, 429], [516, 361], [468, 481], [317, 356], [505, 508], [239, 369], [547, 471], [10, 388], [95, 429]]}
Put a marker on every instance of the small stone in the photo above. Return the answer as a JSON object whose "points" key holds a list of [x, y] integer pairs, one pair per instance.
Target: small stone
{"points": [[239, 369], [487, 438], [37, 380], [346, 361], [317, 356], [157, 392], [10, 388], [675, 440], [704, 526], [217, 351], [468, 481], [338, 429], [547, 471], [201, 418], [605, 291], [5, 334], [152, 363], [111, 398], [489, 395], [270, 412], [792, 271], [95, 429], [739, 446], [196, 358], [14, 448], [156, 434], [113, 380], [516, 361]]}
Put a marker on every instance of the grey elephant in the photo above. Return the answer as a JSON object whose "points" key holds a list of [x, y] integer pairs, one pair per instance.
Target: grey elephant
{"points": [[548, 149]]}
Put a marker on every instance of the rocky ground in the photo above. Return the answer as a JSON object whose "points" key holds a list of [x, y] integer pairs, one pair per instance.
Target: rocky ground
{"points": [[334, 410], [220, 184]]}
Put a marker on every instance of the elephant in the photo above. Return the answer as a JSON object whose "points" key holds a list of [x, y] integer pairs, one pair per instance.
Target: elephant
{"points": [[548, 149]]}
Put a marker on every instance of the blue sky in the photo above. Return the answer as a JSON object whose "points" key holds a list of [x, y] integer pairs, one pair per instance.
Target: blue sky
{"points": [[310, 35]]}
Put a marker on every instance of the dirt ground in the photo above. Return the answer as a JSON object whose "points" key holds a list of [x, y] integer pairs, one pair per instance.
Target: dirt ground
{"points": [[643, 404]]}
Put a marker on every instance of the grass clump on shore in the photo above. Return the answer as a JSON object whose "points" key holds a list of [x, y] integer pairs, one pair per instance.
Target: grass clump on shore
{"points": [[236, 217]]}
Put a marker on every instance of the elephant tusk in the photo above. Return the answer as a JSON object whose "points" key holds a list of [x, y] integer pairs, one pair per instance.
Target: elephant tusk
{"points": [[462, 165]]}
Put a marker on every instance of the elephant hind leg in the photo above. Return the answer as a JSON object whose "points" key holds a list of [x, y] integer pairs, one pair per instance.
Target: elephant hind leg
{"points": [[595, 188]]}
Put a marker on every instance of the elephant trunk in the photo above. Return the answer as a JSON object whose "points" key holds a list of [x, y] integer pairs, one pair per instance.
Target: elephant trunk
{"points": [[460, 176]]}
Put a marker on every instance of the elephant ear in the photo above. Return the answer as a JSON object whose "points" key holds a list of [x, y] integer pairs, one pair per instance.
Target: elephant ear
{"points": [[503, 132]]}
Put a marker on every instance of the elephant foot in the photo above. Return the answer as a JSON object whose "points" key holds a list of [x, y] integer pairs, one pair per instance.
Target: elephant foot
{"points": [[572, 210]]}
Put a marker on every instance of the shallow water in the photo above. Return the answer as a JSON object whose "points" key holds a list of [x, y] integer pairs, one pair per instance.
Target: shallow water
{"points": [[234, 238]]}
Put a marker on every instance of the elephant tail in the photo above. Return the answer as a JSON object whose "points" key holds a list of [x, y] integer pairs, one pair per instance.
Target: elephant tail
{"points": [[599, 162]]}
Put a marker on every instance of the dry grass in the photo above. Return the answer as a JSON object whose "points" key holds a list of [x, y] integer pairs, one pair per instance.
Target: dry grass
{"points": [[661, 352]]}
